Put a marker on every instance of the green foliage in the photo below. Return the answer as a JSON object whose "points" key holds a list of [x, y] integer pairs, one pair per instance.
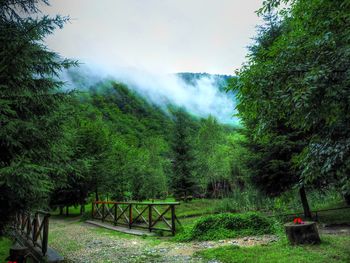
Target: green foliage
{"points": [[293, 96], [223, 226], [120, 146], [332, 249], [116, 145], [5, 245], [239, 201], [30, 100], [183, 181]]}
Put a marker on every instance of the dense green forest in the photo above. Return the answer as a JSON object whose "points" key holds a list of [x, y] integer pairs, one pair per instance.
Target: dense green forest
{"points": [[123, 147], [104, 140], [107, 141], [293, 98]]}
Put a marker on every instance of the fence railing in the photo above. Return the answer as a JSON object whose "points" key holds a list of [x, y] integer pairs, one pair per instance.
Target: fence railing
{"points": [[34, 228], [315, 214], [151, 216]]}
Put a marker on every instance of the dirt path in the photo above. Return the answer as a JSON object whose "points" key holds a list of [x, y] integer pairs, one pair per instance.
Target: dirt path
{"points": [[80, 242]]}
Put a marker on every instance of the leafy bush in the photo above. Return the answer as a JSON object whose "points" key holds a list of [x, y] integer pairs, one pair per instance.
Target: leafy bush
{"points": [[222, 226]]}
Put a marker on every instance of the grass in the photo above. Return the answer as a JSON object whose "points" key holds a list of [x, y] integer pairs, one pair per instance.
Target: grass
{"points": [[116, 234], [69, 244], [332, 249], [5, 244], [222, 226]]}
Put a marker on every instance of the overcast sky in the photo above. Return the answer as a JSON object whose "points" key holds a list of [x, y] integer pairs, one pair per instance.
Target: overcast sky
{"points": [[163, 36]]}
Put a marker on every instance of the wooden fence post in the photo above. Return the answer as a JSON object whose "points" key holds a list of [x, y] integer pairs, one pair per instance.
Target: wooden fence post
{"points": [[45, 234], [29, 226], [103, 212], [92, 209], [130, 215], [35, 227], [115, 214], [150, 218], [173, 227]]}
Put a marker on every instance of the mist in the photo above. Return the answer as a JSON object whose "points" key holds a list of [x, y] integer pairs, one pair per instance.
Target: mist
{"points": [[201, 97]]}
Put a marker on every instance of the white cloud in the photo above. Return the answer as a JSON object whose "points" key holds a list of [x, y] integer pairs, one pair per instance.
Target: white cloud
{"points": [[203, 98]]}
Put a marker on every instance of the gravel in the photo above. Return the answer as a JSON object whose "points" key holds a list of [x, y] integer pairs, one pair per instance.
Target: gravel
{"points": [[79, 242]]}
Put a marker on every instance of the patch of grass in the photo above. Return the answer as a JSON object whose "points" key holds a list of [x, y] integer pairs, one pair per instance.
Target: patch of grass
{"points": [[108, 232], [332, 249], [111, 233], [222, 226], [5, 244]]}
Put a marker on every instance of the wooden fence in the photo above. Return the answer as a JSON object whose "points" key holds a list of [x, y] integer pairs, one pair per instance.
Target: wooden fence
{"points": [[151, 216], [34, 228], [315, 214]]}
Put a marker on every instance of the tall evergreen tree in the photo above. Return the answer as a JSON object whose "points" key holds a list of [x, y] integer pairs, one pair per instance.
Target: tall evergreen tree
{"points": [[183, 182], [29, 99]]}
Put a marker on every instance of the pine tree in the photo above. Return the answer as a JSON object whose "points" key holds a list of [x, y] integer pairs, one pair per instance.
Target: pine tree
{"points": [[29, 101], [183, 182]]}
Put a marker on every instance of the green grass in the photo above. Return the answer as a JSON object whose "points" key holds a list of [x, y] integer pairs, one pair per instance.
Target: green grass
{"points": [[68, 245], [332, 249], [221, 226], [5, 244]]}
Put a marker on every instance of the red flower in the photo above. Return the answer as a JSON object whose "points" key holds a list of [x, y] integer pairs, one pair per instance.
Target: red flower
{"points": [[298, 220]]}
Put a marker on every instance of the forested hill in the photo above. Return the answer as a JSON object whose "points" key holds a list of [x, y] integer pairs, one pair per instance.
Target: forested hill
{"points": [[125, 147], [201, 94], [128, 111]]}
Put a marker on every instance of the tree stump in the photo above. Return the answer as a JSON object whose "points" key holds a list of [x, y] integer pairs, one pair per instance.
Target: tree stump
{"points": [[305, 233], [18, 253]]}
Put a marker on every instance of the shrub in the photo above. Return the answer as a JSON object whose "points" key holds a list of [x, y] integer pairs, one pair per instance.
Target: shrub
{"points": [[222, 226]]}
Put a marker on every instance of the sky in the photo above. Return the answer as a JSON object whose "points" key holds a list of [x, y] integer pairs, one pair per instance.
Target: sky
{"points": [[164, 36]]}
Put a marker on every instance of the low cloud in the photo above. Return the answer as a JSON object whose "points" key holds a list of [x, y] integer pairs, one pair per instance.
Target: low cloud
{"points": [[201, 96]]}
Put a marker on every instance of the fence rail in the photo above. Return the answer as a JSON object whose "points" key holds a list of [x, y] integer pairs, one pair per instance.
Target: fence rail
{"points": [[151, 216], [34, 228], [314, 213]]}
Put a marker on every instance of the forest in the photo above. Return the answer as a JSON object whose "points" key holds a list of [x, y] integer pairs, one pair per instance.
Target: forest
{"points": [[105, 141]]}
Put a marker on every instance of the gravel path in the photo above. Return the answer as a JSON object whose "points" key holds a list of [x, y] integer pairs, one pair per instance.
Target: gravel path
{"points": [[80, 242]]}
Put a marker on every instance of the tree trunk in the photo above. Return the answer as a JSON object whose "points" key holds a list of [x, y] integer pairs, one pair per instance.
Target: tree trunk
{"points": [[347, 199], [305, 233], [96, 194], [18, 253], [307, 212], [61, 210], [67, 210], [82, 209]]}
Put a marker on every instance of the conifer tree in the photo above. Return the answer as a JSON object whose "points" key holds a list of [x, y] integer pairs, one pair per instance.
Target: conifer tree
{"points": [[183, 182], [30, 97]]}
